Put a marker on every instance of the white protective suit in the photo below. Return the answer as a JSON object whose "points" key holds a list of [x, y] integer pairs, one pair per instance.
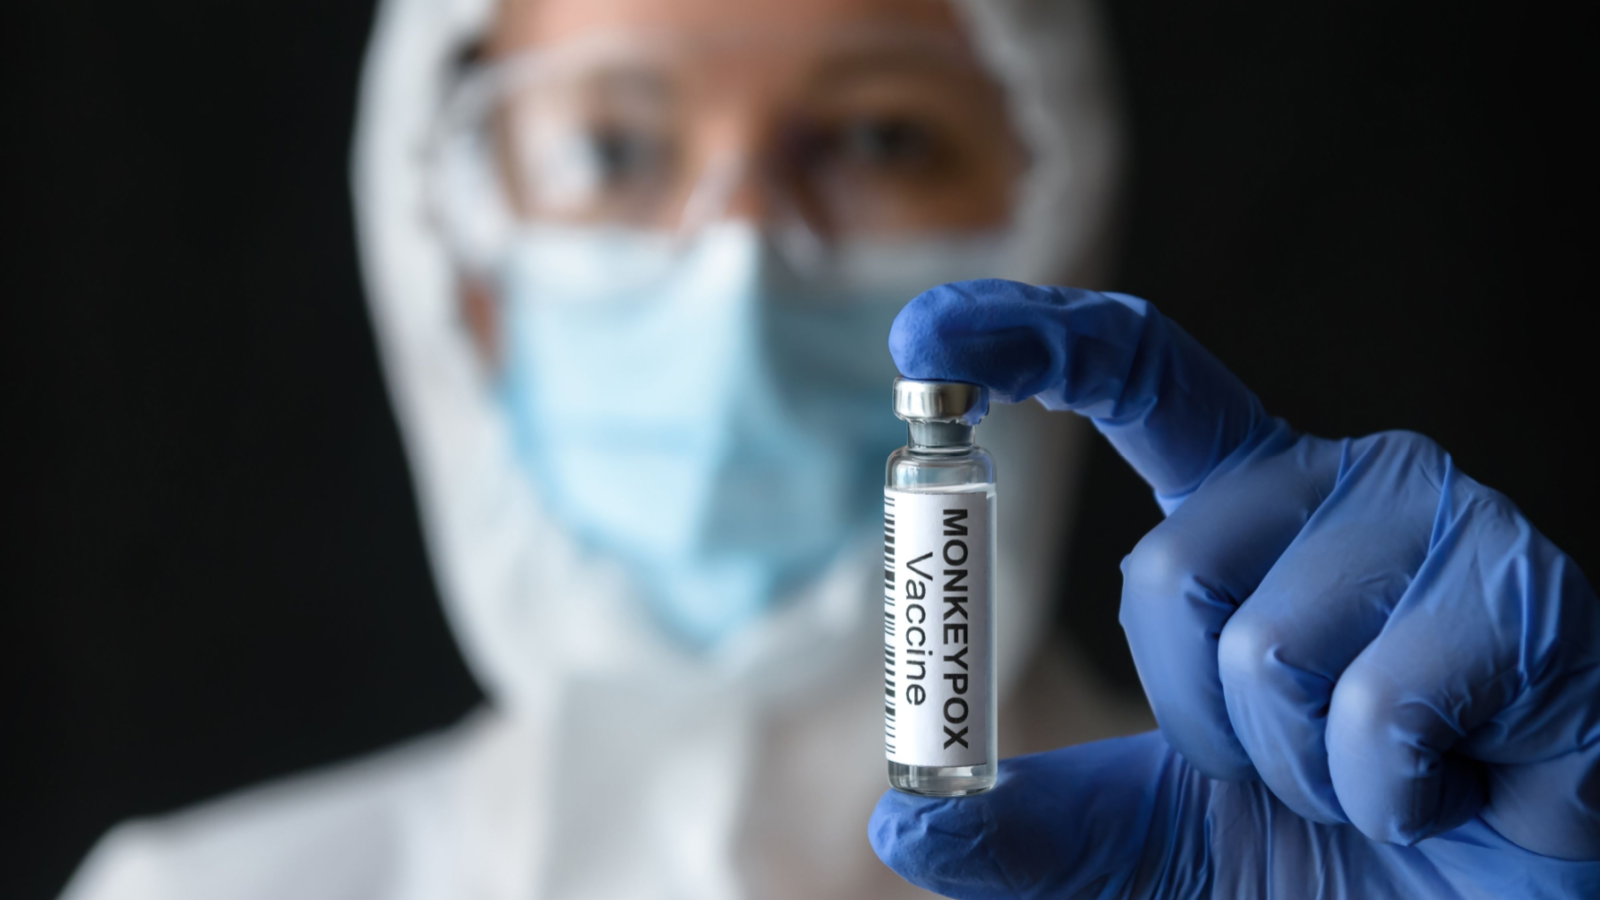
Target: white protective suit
{"points": [[612, 763]]}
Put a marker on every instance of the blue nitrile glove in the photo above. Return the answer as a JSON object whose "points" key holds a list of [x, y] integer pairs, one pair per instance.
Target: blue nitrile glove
{"points": [[1378, 678]]}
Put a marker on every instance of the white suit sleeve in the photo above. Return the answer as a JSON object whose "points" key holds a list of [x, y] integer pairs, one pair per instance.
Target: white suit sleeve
{"points": [[125, 864]]}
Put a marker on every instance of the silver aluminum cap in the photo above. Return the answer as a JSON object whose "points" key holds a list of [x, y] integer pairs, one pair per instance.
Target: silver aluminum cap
{"points": [[940, 401]]}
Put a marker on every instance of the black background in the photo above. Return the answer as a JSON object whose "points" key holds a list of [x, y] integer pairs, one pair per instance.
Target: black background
{"points": [[210, 568]]}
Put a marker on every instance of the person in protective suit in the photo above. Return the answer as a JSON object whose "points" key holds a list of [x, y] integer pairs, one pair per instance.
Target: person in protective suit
{"points": [[632, 266]]}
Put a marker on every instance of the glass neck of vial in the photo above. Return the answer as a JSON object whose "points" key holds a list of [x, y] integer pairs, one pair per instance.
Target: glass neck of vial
{"points": [[939, 437]]}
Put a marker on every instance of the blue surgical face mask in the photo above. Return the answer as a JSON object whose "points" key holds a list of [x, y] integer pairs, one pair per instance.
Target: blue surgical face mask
{"points": [[700, 413]]}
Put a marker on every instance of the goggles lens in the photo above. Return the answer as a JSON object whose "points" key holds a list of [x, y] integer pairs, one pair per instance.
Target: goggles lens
{"points": [[870, 135]]}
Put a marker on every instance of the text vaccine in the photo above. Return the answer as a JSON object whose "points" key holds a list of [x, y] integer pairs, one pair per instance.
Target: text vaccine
{"points": [[938, 603]]}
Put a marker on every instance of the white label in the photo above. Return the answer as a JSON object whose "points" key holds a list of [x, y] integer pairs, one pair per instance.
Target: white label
{"points": [[937, 616]]}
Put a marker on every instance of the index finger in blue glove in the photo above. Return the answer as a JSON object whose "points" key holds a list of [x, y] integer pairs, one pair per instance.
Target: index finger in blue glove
{"points": [[1171, 409], [1179, 417]]}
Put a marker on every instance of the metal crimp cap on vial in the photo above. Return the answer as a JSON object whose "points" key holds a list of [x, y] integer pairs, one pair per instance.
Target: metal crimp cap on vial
{"points": [[940, 401]]}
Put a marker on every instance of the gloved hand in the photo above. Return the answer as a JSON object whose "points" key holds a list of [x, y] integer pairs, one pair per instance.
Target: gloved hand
{"points": [[1378, 678]]}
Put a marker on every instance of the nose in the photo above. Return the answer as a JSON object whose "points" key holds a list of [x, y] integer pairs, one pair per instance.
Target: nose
{"points": [[750, 199], [729, 187], [730, 184]]}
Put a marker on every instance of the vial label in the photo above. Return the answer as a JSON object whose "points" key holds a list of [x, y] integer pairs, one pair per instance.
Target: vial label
{"points": [[936, 620]]}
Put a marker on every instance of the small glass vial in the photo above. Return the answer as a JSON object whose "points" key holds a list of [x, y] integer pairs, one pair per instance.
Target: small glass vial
{"points": [[940, 721]]}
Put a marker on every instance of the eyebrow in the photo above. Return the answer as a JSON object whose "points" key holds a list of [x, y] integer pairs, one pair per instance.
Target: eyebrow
{"points": [[905, 60]]}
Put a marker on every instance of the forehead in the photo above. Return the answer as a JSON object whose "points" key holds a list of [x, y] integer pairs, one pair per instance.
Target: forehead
{"points": [[527, 24]]}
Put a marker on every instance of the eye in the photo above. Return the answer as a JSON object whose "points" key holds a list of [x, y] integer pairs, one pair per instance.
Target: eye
{"points": [[887, 143], [621, 154]]}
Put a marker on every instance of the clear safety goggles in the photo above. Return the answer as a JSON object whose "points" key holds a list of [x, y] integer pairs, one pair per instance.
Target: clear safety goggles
{"points": [[875, 135]]}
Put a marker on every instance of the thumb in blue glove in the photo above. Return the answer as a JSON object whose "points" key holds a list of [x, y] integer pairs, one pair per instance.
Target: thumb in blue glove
{"points": [[1129, 818], [1349, 643]]}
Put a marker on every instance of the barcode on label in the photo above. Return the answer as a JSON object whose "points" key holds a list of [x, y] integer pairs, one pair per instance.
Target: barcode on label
{"points": [[888, 623]]}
